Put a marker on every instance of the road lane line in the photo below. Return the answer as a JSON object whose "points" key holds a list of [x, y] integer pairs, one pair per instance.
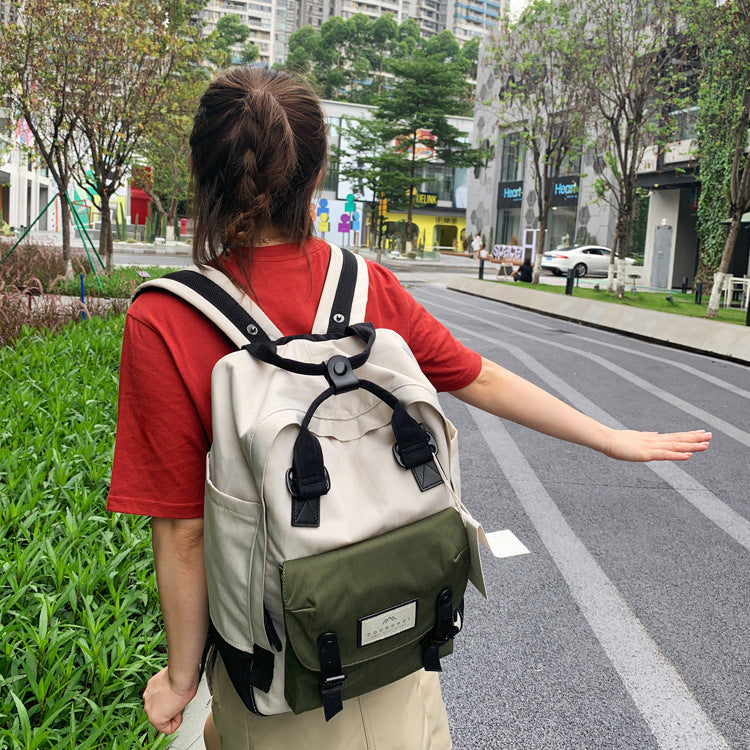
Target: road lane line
{"points": [[673, 714], [692, 371], [700, 497], [710, 420]]}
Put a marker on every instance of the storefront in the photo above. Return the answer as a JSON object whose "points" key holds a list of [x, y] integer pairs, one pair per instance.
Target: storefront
{"points": [[561, 221], [438, 230], [509, 202]]}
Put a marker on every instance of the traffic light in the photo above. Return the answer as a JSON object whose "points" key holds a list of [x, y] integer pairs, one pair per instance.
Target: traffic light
{"points": [[383, 206]]}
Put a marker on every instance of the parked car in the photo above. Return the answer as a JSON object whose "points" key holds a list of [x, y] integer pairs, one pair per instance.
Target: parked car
{"points": [[583, 259]]}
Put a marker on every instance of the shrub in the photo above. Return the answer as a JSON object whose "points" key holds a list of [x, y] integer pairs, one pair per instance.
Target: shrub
{"points": [[80, 627], [36, 264], [30, 309], [36, 293]]}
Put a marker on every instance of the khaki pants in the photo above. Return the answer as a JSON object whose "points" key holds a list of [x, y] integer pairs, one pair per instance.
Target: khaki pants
{"points": [[406, 715]]}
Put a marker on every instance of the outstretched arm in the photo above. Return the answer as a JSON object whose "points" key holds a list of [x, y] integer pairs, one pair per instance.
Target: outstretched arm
{"points": [[505, 394]]}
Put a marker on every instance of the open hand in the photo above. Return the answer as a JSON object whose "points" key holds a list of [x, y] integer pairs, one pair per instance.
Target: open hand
{"points": [[631, 445]]}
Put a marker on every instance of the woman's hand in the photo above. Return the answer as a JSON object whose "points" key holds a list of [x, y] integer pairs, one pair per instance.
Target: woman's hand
{"points": [[165, 702], [630, 445]]}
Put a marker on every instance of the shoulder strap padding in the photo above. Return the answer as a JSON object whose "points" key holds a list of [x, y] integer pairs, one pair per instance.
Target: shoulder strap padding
{"points": [[212, 293], [344, 297]]}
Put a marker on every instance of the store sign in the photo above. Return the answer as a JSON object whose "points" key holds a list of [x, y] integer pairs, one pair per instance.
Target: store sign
{"points": [[510, 195], [565, 191], [424, 199]]}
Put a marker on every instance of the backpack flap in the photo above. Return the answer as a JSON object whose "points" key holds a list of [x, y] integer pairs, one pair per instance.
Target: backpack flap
{"points": [[376, 611]]}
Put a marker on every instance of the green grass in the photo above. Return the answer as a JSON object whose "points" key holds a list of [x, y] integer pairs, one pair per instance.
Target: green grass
{"points": [[80, 629], [684, 304]]}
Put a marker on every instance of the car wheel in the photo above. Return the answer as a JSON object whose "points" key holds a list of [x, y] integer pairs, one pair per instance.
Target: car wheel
{"points": [[580, 269]]}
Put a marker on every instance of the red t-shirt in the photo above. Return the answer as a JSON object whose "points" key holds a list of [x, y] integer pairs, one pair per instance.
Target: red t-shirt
{"points": [[169, 350]]}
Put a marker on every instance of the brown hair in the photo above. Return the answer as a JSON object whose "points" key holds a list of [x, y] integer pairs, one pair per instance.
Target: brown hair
{"points": [[258, 147]]}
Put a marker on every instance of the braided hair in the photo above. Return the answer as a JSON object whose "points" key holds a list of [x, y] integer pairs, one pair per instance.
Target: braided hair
{"points": [[257, 150]]}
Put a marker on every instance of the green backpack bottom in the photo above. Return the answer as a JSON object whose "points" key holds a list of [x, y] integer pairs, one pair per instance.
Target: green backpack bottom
{"points": [[363, 616]]}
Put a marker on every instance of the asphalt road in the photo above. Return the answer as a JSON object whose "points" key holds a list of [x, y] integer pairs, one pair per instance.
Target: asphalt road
{"points": [[628, 625]]}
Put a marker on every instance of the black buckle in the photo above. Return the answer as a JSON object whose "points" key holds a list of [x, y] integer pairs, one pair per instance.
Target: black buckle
{"points": [[445, 629], [430, 441], [332, 677], [340, 375], [293, 487]]}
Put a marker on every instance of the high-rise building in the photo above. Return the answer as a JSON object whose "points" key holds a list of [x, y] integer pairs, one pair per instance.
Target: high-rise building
{"points": [[470, 18], [7, 12], [400, 9], [271, 22]]}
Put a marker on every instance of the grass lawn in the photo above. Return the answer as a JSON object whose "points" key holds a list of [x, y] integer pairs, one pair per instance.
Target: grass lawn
{"points": [[684, 304]]}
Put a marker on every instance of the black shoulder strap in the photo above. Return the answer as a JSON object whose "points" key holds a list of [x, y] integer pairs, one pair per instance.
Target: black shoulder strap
{"points": [[209, 298], [341, 309]]}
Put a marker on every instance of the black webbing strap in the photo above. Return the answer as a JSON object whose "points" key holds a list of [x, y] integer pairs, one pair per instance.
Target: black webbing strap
{"points": [[331, 675], [341, 310], [220, 299], [441, 634], [246, 671], [307, 480], [267, 351]]}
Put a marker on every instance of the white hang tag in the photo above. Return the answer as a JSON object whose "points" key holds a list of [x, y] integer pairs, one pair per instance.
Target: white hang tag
{"points": [[475, 533]]}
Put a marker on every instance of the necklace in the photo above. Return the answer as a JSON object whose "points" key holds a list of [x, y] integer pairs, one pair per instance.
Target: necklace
{"points": [[271, 240]]}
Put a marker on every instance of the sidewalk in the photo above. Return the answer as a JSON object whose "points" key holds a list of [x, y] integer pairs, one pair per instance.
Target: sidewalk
{"points": [[724, 340], [461, 273]]}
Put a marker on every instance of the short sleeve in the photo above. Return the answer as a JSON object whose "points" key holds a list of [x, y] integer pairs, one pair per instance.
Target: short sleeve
{"points": [[161, 441], [447, 363]]}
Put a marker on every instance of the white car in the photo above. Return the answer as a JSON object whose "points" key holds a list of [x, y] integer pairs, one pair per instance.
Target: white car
{"points": [[583, 259]]}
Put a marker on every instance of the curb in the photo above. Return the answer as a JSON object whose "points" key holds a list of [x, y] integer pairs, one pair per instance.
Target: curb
{"points": [[723, 340]]}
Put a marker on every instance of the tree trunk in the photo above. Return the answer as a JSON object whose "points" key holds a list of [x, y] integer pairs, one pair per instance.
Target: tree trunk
{"points": [[65, 218], [620, 231], [539, 250], [726, 256], [373, 225], [106, 241], [169, 234], [611, 268]]}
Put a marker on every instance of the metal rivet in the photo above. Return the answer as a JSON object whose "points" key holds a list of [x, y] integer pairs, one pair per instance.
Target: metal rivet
{"points": [[338, 318], [252, 329]]}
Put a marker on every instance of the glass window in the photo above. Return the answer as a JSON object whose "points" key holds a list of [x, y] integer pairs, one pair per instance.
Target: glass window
{"points": [[331, 182], [508, 228], [512, 158]]}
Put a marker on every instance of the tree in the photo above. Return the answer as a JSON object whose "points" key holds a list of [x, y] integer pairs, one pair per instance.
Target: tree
{"points": [[40, 63], [542, 67], [373, 169], [349, 59], [166, 147], [226, 37], [413, 112], [723, 35], [636, 78], [135, 50]]}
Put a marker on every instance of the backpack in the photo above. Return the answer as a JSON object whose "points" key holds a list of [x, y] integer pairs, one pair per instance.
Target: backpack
{"points": [[337, 548]]}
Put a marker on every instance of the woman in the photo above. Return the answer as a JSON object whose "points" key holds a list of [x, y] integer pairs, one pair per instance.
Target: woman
{"points": [[258, 153]]}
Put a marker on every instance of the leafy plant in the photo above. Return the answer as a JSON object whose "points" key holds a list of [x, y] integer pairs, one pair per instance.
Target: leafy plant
{"points": [[80, 626]]}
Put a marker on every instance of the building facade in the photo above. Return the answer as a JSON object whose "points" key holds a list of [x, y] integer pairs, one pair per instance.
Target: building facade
{"points": [[271, 23], [439, 215], [502, 201]]}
